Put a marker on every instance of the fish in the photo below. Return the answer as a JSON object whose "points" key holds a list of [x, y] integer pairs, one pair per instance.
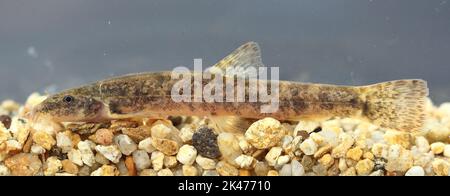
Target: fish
{"points": [[398, 104]]}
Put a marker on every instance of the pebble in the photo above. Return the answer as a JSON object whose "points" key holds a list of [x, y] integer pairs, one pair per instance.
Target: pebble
{"points": [[4, 171], [168, 147], [286, 170], [210, 173], [309, 147], [106, 170], [322, 151], [398, 137], [187, 154], [398, 159], [319, 170], [327, 160], [23, 164], [265, 133], [244, 161], [205, 141], [226, 169], [75, 156], [346, 142], [137, 134], [170, 161], [146, 145], [189, 170], [272, 156], [186, 134], [157, 159], [165, 172], [297, 168], [104, 137], [437, 147], [125, 144], [244, 145], [354, 153], [164, 129], [131, 167], [5, 120], [99, 158], [205, 163], [51, 166], [415, 171], [440, 167], [244, 172], [349, 172], [229, 147], [141, 159], [307, 162], [272, 173], [148, 172], [84, 171], [282, 160], [261, 168], [64, 142], [422, 144], [364, 167], [44, 139], [69, 167], [111, 152], [86, 153], [447, 150]]}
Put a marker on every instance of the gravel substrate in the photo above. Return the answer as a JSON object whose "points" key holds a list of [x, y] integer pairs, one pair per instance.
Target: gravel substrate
{"points": [[189, 146]]}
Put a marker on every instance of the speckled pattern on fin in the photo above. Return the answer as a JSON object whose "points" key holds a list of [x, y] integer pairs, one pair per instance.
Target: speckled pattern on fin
{"points": [[247, 55], [231, 124]]}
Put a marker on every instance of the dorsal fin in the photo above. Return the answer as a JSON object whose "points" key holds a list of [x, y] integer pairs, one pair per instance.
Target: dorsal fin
{"points": [[247, 55]]}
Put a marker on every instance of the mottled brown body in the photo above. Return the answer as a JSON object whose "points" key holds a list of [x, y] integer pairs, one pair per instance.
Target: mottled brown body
{"points": [[150, 94]]}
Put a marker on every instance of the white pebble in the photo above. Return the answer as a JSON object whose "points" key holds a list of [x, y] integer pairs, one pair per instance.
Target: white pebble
{"points": [[36, 149], [125, 144], [141, 159], [309, 147], [157, 159], [272, 155], [75, 156], [297, 168], [146, 145], [64, 142], [86, 153], [186, 134], [205, 163], [415, 171], [111, 152], [244, 161], [447, 150], [187, 154], [286, 170]]}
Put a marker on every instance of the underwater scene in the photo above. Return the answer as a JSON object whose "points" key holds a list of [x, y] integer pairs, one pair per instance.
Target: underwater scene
{"points": [[225, 88]]}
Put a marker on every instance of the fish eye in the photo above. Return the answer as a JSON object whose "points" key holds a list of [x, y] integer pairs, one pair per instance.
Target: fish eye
{"points": [[68, 99]]}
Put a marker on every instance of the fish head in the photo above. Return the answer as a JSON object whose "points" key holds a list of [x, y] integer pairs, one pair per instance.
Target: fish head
{"points": [[74, 105]]}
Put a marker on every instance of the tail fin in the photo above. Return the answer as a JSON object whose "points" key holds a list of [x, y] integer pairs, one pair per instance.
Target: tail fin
{"points": [[398, 104]]}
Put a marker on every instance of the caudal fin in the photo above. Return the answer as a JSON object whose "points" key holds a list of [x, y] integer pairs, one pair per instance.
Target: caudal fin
{"points": [[398, 104]]}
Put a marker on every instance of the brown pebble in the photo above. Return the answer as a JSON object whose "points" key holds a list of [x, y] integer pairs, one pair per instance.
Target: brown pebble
{"points": [[129, 163], [69, 167], [6, 120], [176, 120], [137, 134], [57, 151], [304, 134], [244, 172], [260, 154], [104, 137]]}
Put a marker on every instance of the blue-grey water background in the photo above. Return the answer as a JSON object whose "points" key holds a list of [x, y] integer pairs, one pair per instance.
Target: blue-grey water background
{"points": [[48, 45]]}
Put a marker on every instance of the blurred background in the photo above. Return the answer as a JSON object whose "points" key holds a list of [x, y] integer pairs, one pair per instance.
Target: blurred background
{"points": [[50, 45]]}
